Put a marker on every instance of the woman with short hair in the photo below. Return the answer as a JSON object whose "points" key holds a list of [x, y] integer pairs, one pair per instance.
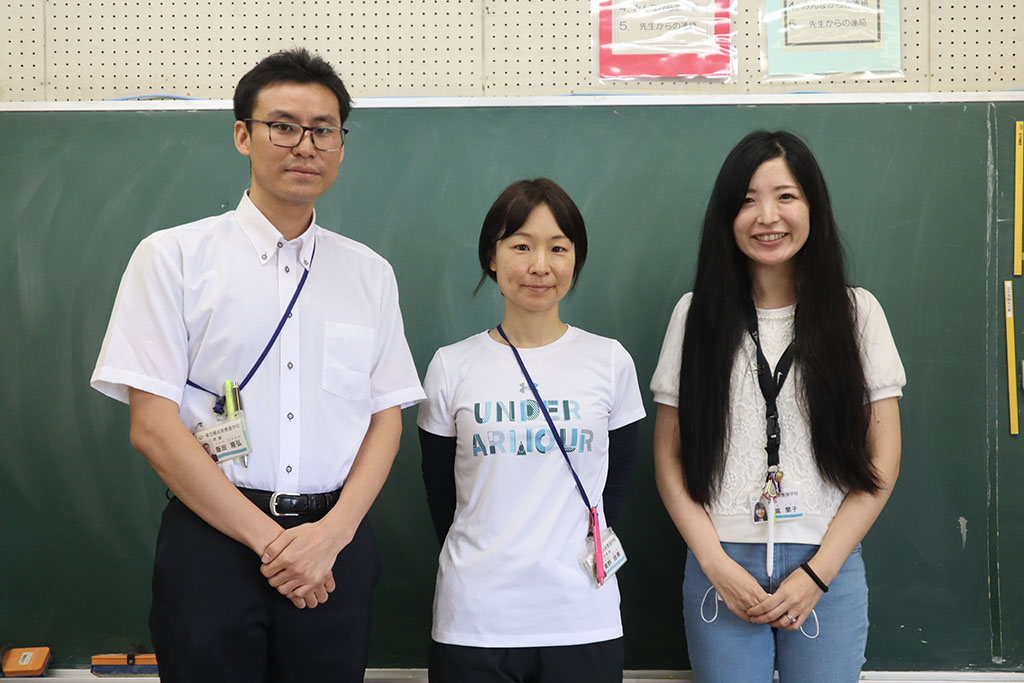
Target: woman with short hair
{"points": [[528, 435]]}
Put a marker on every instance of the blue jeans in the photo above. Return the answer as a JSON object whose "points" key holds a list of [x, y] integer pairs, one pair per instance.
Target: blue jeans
{"points": [[730, 650]]}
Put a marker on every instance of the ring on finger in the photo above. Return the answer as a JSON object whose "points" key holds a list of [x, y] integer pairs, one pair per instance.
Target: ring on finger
{"points": [[791, 618]]}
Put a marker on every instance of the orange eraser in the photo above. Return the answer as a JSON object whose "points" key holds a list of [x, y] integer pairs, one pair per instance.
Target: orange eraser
{"points": [[125, 665], [123, 660], [26, 661]]}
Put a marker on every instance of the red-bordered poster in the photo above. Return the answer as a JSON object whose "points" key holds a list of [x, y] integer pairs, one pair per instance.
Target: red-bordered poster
{"points": [[664, 38]]}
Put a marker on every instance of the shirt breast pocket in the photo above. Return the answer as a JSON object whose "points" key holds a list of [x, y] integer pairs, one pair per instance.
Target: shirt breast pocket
{"points": [[348, 357]]}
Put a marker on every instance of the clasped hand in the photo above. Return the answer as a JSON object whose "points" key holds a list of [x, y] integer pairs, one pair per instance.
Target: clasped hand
{"points": [[299, 562], [795, 597]]}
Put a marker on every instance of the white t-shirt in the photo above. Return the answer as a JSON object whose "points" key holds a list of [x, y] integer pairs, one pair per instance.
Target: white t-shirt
{"points": [[731, 509], [200, 302], [509, 572]]}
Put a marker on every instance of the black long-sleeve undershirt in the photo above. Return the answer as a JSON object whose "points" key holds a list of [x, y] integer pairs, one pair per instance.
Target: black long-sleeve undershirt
{"points": [[438, 463]]}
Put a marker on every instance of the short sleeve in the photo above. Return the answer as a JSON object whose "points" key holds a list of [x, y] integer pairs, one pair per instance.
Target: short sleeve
{"points": [[393, 378], [883, 369], [665, 383], [628, 406], [435, 413], [146, 344]]}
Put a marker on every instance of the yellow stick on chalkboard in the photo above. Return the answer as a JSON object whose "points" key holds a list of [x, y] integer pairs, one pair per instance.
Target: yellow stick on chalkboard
{"points": [[1018, 197], [1011, 355]]}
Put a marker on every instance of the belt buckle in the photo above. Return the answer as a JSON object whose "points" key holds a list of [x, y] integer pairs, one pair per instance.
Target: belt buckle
{"points": [[273, 504]]}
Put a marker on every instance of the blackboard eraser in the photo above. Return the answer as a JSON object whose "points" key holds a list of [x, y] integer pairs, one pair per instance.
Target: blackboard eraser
{"points": [[26, 662], [124, 665]]}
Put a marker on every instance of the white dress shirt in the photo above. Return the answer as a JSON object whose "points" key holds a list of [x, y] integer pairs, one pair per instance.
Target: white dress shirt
{"points": [[200, 302]]}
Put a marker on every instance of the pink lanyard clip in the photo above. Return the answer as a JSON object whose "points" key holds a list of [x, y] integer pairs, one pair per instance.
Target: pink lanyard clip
{"points": [[595, 530]]}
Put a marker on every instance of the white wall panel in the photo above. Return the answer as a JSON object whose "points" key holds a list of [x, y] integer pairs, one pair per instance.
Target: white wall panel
{"points": [[403, 48], [64, 50], [541, 47], [21, 50], [104, 49], [977, 45], [518, 35]]}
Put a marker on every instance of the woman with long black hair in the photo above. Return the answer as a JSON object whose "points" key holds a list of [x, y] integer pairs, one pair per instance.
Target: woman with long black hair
{"points": [[777, 387]]}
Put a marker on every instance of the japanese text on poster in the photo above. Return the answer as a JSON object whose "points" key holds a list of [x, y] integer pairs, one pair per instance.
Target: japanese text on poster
{"points": [[664, 38], [854, 22], [655, 26], [810, 37]]}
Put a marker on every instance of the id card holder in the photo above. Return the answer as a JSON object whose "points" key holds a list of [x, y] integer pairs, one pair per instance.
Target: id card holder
{"points": [[788, 505], [759, 509], [227, 440], [612, 554]]}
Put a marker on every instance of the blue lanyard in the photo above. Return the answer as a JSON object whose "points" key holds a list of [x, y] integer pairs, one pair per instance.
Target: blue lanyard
{"points": [[547, 416], [218, 406]]}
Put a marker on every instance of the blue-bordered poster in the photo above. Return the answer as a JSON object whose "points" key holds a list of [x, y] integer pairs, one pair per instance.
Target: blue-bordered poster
{"points": [[810, 37]]}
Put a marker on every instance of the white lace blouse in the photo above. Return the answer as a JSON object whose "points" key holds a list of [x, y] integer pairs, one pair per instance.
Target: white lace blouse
{"points": [[731, 510]]}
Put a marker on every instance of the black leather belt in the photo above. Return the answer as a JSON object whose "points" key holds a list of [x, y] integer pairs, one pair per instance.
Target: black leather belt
{"points": [[280, 504]]}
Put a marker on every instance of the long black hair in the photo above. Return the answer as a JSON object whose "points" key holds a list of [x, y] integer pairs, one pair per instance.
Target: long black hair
{"points": [[824, 340]]}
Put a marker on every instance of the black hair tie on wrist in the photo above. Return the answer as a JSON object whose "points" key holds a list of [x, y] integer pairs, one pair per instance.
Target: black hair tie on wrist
{"points": [[814, 577]]}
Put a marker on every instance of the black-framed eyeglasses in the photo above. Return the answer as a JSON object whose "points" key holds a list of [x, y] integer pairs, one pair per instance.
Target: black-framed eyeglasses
{"points": [[288, 134]]}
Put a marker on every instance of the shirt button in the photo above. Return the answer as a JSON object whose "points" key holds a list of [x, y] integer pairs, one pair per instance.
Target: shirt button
{"points": [[290, 416], [288, 469], [289, 314], [264, 257], [280, 244], [287, 269], [305, 262], [290, 365]]}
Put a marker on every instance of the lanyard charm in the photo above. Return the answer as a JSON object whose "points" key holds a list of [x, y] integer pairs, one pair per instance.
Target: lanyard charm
{"points": [[772, 483], [227, 440]]}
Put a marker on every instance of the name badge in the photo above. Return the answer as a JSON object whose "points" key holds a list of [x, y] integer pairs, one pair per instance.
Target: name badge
{"points": [[613, 556], [787, 506], [227, 440]]}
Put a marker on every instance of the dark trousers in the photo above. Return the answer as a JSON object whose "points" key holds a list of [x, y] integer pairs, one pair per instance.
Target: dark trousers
{"points": [[215, 618], [592, 663]]}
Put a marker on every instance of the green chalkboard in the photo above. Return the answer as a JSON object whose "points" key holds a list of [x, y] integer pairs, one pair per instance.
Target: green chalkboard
{"points": [[923, 194]]}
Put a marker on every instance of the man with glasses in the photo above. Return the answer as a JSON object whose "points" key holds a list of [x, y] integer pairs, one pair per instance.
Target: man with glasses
{"points": [[265, 365]]}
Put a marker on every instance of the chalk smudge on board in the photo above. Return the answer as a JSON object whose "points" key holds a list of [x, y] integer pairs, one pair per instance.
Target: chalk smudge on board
{"points": [[963, 532]]}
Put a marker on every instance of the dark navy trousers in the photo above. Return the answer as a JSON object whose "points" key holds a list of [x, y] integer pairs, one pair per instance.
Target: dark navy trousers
{"points": [[215, 618]]}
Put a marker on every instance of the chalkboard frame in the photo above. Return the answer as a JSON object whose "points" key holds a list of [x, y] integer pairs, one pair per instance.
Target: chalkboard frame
{"points": [[923, 194]]}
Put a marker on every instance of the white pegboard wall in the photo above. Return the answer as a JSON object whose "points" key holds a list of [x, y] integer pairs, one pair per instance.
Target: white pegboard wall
{"points": [[21, 50], [517, 36], [61, 50], [544, 43], [405, 47], [104, 49], [524, 57], [977, 45], [946, 47]]}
